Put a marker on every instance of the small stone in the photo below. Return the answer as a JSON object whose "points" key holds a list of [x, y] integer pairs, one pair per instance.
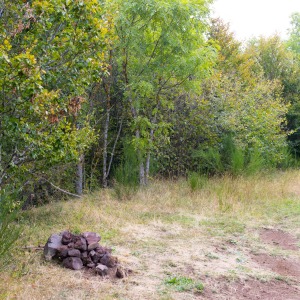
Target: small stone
{"points": [[103, 250], [96, 258], [63, 251], [120, 273], [71, 245], [87, 261], [85, 258], [74, 263], [67, 237], [91, 237], [109, 260], [92, 253], [93, 246], [53, 244], [102, 270], [91, 265], [80, 243], [74, 253]]}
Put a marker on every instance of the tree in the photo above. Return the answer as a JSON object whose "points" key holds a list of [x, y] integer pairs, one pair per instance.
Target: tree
{"points": [[294, 39], [245, 104], [50, 52], [161, 47], [279, 63]]}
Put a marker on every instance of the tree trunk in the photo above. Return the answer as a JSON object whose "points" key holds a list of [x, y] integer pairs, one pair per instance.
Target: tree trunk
{"points": [[148, 166], [104, 178], [143, 180], [79, 176], [114, 148], [141, 163], [142, 173], [107, 88]]}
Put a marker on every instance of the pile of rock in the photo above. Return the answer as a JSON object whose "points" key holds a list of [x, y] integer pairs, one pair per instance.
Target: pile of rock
{"points": [[79, 251]]}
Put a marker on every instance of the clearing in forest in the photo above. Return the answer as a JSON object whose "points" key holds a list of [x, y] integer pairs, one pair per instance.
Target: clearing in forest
{"points": [[235, 238]]}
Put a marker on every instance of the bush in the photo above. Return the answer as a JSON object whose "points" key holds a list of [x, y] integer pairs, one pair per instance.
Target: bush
{"points": [[197, 181], [209, 161], [231, 158], [255, 162], [126, 175], [237, 161], [9, 231]]}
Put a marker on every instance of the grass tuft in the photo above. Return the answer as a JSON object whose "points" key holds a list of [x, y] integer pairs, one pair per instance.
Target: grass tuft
{"points": [[183, 284]]}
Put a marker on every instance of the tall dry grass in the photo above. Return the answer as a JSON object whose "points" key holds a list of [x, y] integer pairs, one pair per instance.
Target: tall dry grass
{"points": [[263, 196], [227, 202]]}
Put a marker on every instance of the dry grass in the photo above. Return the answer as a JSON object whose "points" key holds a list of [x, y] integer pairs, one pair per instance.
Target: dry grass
{"points": [[162, 230]]}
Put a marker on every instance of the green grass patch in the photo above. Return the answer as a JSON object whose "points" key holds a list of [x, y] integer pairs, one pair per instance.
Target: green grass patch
{"points": [[184, 284], [223, 225]]}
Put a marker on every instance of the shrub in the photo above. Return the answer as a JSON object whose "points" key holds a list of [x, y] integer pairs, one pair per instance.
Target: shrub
{"points": [[197, 181], [9, 230], [126, 174]]}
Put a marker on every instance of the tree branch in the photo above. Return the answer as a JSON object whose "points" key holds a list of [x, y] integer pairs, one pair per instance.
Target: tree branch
{"points": [[61, 190], [58, 188]]}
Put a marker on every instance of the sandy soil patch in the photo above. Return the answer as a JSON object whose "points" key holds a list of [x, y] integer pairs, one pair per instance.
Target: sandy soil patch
{"points": [[279, 238], [250, 289], [281, 265]]}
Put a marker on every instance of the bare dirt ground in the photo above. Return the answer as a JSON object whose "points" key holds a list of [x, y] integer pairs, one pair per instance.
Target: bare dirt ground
{"points": [[279, 238], [227, 266]]}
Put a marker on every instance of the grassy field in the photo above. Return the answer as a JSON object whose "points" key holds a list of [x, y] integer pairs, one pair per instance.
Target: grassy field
{"points": [[180, 243]]}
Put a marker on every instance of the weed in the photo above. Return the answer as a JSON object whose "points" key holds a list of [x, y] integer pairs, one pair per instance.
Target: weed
{"points": [[199, 287], [124, 192], [197, 181], [211, 256], [9, 230], [237, 163], [183, 284]]}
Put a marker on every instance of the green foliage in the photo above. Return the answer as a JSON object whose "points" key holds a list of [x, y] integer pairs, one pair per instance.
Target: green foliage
{"points": [[183, 284], [127, 171], [290, 160], [244, 102], [237, 165], [209, 160], [235, 99], [50, 52], [162, 45], [255, 161], [176, 87], [272, 56], [9, 230], [294, 39], [126, 175], [191, 123], [230, 158], [280, 61], [197, 181]]}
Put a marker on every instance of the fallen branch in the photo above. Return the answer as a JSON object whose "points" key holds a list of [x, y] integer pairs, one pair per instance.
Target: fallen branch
{"points": [[58, 188], [61, 190]]}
